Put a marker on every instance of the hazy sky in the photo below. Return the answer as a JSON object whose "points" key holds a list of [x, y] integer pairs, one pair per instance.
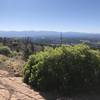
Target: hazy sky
{"points": [[51, 15]]}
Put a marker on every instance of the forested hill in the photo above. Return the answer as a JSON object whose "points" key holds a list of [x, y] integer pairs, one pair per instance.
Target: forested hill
{"points": [[48, 34]]}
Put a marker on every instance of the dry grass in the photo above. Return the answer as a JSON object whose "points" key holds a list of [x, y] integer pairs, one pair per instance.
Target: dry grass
{"points": [[13, 65], [3, 58]]}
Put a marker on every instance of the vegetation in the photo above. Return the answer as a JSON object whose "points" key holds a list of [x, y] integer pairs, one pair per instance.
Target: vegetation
{"points": [[69, 69], [5, 50], [23, 46]]}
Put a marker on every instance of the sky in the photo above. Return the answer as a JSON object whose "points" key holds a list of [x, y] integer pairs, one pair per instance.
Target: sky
{"points": [[50, 15]]}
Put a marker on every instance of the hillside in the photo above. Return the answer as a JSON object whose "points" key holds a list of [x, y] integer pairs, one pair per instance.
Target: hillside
{"points": [[12, 86]]}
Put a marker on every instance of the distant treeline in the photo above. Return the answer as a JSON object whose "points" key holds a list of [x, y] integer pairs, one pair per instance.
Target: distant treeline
{"points": [[26, 45]]}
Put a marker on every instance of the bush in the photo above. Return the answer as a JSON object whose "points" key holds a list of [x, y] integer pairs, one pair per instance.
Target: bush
{"points": [[14, 53], [5, 50], [69, 69]]}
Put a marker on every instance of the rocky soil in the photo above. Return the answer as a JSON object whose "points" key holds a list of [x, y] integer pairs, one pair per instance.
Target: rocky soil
{"points": [[12, 88]]}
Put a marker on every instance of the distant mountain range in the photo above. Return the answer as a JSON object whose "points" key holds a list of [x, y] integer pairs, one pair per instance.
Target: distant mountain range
{"points": [[45, 34]]}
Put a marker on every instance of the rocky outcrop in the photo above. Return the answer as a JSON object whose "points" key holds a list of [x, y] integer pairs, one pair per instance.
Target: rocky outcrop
{"points": [[12, 88]]}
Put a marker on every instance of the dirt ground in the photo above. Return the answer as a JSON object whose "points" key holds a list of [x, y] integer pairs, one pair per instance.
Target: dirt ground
{"points": [[12, 88]]}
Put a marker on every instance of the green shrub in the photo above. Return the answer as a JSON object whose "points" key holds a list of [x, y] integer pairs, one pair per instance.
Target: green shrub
{"points": [[5, 50], [14, 53], [68, 69]]}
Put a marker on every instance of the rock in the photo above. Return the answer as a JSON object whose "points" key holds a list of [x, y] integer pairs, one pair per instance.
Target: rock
{"points": [[4, 94], [16, 74], [12, 88]]}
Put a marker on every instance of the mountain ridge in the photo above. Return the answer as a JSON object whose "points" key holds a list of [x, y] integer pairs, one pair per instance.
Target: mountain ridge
{"points": [[48, 34]]}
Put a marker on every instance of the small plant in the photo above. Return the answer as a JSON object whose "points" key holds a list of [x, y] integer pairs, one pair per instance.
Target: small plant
{"points": [[5, 50], [14, 53], [3, 58]]}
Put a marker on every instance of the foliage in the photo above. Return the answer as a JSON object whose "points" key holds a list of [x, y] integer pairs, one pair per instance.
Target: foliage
{"points": [[5, 50], [67, 68], [14, 53]]}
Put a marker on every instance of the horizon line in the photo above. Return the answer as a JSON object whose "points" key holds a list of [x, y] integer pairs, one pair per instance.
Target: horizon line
{"points": [[49, 31]]}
